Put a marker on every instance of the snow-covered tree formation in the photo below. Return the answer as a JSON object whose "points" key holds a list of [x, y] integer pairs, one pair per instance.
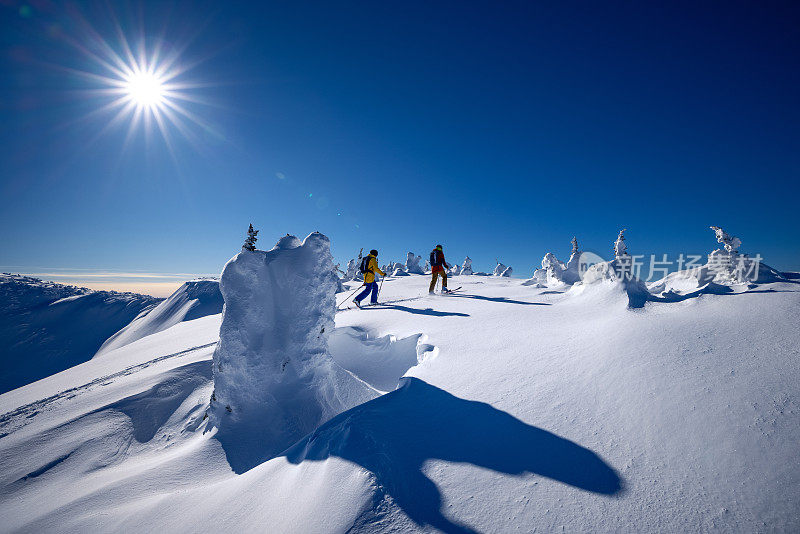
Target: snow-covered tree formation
{"points": [[412, 264], [551, 271], [618, 273], [466, 267], [499, 269], [731, 243], [620, 248], [274, 380], [573, 264], [250, 241], [351, 272], [397, 269], [554, 272]]}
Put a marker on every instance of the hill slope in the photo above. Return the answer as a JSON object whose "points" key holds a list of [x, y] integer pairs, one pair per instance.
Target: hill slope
{"points": [[47, 327], [194, 299], [527, 409]]}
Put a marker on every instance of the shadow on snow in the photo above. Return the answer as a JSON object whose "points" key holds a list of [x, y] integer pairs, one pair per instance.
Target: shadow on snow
{"points": [[418, 311], [502, 300], [394, 435]]}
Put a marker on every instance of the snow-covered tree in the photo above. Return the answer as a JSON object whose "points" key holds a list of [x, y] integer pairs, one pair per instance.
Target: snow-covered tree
{"points": [[412, 264], [250, 242], [499, 269], [507, 272], [620, 248], [573, 264], [731, 243], [427, 266], [351, 272], [554, 272], [466, 267]]}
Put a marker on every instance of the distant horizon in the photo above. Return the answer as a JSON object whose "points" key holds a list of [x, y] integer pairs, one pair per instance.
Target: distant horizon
{"points": [[161, 285]]}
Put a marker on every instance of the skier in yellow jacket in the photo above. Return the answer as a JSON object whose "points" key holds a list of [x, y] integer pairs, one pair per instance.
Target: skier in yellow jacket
{"points": [[369, 266]]}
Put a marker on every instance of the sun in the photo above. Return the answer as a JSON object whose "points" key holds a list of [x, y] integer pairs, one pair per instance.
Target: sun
{"points": [[143, 83], [145, 89]]}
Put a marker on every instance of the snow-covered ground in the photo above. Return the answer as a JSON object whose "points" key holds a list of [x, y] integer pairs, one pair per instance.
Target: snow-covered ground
{"points": [[47, 327], [192, 300], [522, 409]]}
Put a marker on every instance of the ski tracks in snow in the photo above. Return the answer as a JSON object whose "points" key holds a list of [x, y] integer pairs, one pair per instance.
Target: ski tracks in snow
{"points": [[20, 417]]}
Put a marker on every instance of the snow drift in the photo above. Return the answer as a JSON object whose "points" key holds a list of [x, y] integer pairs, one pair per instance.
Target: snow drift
{"points": [[194, 299], [274, 379]]}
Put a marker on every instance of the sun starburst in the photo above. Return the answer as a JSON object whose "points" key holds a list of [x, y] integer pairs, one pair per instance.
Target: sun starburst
{"points": [[143, 86]]}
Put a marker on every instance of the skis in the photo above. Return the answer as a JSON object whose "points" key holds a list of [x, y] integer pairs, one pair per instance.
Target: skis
{"points": [[384, 302], [362, 306], [451, 290]]}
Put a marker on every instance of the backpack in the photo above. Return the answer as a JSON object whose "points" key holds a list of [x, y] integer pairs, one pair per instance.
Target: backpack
{"points": [[434, 258], [364, 267]]}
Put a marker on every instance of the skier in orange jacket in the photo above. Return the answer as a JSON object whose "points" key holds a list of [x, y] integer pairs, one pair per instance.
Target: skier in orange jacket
{"points": [[438, 265]]}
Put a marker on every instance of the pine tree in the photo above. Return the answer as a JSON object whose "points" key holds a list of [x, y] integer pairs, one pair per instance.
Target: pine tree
{"points": [[250, 242], [620, 248]]}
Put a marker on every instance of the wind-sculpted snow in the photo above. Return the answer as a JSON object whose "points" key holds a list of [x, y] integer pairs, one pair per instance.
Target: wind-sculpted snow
{"points": [[376, 436], [380, 362], [194, 299], [274, 379], [47, 327]]}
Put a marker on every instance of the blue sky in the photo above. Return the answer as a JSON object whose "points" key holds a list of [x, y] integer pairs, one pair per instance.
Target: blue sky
{"points": [[498, 130]]}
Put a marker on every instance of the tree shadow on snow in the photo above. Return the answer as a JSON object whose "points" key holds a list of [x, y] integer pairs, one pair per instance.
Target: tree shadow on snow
{"points": [[394, 435]]}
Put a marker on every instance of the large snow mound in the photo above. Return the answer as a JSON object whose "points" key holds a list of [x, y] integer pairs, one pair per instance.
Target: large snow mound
{"points": [[192, 300], [610, 278], [47, 327], [274, 379]]}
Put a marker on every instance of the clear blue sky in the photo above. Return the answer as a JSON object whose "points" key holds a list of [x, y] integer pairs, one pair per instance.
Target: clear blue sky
{"points": [[498, 129]]}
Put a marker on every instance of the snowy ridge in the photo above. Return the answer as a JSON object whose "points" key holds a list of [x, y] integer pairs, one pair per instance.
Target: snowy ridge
{"points": [[192, 300], [47, 327]]}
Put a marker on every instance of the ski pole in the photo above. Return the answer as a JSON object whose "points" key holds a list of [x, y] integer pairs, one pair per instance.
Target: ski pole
{"points": [[381, 287], [351, 295]]}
